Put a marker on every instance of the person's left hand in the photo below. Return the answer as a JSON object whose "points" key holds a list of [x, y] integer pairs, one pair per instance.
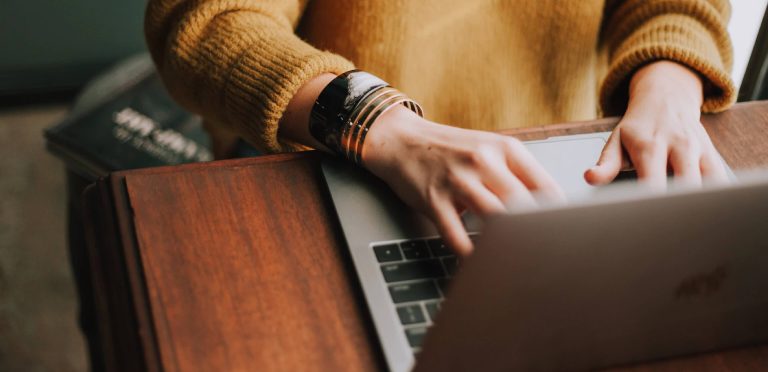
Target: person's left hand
{"points": [[661, 130]]}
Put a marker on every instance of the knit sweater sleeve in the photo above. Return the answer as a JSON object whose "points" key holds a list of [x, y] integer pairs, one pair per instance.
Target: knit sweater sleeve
{"points": [[236, 62], [690, 32]]}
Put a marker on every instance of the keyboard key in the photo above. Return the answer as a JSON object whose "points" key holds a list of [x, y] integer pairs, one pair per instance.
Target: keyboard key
{"points": [[413, 292], [411, 314], [451, 265], [416, 336], [415, 249], [438, 248], [432, 308], [387, 253], [412, 270]]}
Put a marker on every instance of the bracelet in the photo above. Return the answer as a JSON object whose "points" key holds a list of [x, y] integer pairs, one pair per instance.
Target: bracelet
{"points": [[333, 105], [347, 108], [361, 117]]}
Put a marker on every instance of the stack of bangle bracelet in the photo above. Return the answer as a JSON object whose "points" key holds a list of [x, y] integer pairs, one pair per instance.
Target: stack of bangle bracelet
{"points": [[347, 108]]}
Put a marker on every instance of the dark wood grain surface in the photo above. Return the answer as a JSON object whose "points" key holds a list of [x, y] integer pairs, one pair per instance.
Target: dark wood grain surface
{"points": [[240, 265], [254, 277]]}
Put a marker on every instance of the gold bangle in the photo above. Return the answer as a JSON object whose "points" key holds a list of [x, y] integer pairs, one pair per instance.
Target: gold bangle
{"points": [[361, 110], [364, 131], [377, 108], [371, 106]]}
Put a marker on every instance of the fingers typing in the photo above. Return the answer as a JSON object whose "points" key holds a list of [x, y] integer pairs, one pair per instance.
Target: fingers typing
{"points": [[650, 160], [530, 172], [450, 226], [610, 163], [685, 162]]}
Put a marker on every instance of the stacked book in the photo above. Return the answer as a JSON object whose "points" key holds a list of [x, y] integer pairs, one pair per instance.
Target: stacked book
{"points": [[125, 119]]}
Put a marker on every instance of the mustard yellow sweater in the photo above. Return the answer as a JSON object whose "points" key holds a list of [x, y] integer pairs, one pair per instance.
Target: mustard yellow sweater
{"points": [[483, 64]]}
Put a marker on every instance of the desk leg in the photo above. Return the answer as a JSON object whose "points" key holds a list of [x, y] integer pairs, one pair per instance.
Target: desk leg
{"points": [[81, 268]]}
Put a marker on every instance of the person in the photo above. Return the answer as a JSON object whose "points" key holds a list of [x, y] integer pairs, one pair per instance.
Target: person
{"points": [[261, 68]]}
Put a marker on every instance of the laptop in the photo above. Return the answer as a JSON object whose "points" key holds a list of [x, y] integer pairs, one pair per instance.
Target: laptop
{"points": [[543, 316]]}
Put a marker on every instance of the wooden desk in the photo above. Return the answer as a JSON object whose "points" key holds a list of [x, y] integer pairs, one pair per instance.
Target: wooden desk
{"points": [[238, 265]]}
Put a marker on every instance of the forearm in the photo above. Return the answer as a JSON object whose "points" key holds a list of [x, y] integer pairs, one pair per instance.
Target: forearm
{"points": [[236, 63], [690, 32]]}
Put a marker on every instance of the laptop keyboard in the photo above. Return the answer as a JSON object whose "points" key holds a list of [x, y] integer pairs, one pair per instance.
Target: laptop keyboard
{"points": [[417, 273]]}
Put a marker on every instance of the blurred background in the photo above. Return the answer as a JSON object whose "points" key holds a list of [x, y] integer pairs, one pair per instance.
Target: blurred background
{"points": [[48, 50]]}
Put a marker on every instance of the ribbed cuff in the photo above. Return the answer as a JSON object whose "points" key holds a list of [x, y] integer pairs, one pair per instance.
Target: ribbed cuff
{"points": [[677, 38], [266, 75]]}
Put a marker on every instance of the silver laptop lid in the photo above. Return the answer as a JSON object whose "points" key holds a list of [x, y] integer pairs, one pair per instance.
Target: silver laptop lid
{"points": [[597, 285]]}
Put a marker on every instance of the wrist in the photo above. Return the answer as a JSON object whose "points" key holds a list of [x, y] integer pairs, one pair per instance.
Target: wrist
{"points": [[390, 134], [293, 124], [663, 80]]}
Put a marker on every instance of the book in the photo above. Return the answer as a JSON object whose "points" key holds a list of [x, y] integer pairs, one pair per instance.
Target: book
{"points": [[125, 119]]}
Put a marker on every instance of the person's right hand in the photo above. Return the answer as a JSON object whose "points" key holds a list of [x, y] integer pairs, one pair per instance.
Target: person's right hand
{"points": [[441, 170]]}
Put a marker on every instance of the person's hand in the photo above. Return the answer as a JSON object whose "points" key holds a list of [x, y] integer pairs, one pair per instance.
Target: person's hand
{"points": [[441, 170], [661, 130]]}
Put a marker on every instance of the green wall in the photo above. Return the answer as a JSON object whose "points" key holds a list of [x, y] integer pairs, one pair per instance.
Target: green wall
{"points": [[59, 44]]}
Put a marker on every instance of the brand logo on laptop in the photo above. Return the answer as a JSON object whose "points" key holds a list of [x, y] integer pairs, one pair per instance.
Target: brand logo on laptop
{"points": [[702, 284]]}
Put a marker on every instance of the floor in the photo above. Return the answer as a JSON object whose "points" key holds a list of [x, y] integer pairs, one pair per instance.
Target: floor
{"points": [[38, 307]]}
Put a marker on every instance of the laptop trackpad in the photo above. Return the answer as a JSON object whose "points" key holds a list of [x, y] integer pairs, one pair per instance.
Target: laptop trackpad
{"points": [[567, 158]]}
